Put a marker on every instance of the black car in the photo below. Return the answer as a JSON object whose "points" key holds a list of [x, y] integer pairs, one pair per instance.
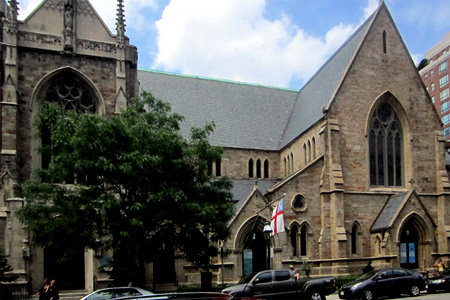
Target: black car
{"points": [[439, 283], [386, 282]]}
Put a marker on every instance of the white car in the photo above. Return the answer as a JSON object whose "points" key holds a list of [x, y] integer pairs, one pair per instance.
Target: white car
{"points": [[116, 292]]}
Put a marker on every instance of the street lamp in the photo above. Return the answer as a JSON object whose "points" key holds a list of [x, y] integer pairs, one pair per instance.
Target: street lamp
{"points": [[267, 233]]}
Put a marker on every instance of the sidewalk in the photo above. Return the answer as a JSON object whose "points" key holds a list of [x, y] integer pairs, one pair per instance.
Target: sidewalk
{"points": [[334, 296]]}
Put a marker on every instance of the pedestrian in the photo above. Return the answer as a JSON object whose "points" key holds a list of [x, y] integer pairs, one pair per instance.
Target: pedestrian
{"points": [[44, 293], [54, 291], [297, 274], [439, 265], [291, 267]]}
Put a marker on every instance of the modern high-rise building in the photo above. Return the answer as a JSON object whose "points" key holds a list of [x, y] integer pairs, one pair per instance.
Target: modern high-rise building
{"points": [[435, 76]]}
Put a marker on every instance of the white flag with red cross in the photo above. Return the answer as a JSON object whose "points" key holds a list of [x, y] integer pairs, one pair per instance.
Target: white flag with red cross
{"points": [[277, 223]]}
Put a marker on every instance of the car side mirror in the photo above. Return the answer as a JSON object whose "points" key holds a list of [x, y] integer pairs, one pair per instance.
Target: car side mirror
{"points": [[256, 281]]}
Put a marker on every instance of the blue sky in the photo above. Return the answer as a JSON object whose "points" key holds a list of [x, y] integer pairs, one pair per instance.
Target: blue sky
{"points": [[271, 42]]}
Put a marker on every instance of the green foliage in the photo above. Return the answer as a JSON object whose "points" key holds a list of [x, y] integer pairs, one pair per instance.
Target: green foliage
{"points": [[423, 63], [341, 280], [368, 267], [131, 184], [306, 268]]}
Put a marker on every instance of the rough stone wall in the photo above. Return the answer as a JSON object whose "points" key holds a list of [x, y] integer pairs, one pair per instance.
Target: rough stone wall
{"points": [[297, 148], [235, 163], [373, 73], [33, 66]]}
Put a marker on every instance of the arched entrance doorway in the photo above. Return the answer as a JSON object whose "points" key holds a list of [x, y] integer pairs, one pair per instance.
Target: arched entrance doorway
{"points": [[254, 254], [164, 265], [409, 246]]}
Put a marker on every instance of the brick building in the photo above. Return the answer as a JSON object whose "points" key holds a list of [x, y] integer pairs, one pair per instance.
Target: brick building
{"points": [[435, 76], [357, 154]]}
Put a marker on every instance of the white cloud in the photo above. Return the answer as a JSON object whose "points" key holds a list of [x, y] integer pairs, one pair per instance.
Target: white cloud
{"points": [[233, 40], [372, 5]]}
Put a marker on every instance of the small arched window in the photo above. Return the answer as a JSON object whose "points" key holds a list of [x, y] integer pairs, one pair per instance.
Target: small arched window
{"points": [[210, 168], [355, 239], [250, 168], [285, 167], [313, 148], [258, 168], [305, 153], [292, 162], [309, 152], [289, 165], [266, 168], [219, 167], [303, 241], [295, 240], [384, 41]]}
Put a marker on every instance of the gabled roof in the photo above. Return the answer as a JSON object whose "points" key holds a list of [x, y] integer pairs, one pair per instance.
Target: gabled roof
{"points": [[242, 189], [392, 208], [246, 116], [319, 90]]}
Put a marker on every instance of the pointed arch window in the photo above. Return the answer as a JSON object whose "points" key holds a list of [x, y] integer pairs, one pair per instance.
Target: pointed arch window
{"points": [[385, 147], [288, 165], [295, 241], [292, 163], [355, 239], [258, 168], [313, 148], [308, 159], [306, 154], [250, 167], [219, 167], [71, 93], [285, 167], [303, 241], [266, 168]]}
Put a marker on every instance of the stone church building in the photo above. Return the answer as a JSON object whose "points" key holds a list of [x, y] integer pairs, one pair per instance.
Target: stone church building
{"points": [[356, 155]]}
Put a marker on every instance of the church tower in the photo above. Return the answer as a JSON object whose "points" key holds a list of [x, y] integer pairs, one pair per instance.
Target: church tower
{"points": [[62, 53]]}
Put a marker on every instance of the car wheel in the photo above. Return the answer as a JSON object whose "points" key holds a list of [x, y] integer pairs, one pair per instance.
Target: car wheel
{"points": [[368, 295], [414, 291], [316, 296]]}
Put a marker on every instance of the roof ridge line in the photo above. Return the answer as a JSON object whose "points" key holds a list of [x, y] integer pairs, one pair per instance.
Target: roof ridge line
{"points": [[218, 79]]}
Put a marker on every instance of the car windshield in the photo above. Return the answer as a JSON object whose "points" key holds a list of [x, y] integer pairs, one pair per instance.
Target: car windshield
{"points": [[247, 278], [366, 276]]}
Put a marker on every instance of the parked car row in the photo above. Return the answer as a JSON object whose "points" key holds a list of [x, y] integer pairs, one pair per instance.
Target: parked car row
{"points": [[393, 282], [277, 284]]}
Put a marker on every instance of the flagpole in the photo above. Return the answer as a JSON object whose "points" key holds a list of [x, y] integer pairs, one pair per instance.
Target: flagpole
{"points": [[270, 203]]}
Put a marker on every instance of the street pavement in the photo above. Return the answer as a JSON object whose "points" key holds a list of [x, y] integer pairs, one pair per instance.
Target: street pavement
{"points": [[422, 296]]}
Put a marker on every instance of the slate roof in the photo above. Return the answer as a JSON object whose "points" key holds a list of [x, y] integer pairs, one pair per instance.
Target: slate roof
{"points": [[318, 92], [252, 116], [246, 116], [242, 189], [389, 212]]}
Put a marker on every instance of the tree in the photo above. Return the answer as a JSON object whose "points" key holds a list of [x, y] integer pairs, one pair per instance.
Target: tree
{"points": [[126, 183], [423, 63]]}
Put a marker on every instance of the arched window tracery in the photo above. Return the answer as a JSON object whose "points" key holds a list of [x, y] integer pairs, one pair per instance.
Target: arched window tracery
{"points": [[385, 147]]}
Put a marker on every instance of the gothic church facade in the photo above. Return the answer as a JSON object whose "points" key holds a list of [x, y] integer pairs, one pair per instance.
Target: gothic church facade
{"points": [[356, 155]]}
